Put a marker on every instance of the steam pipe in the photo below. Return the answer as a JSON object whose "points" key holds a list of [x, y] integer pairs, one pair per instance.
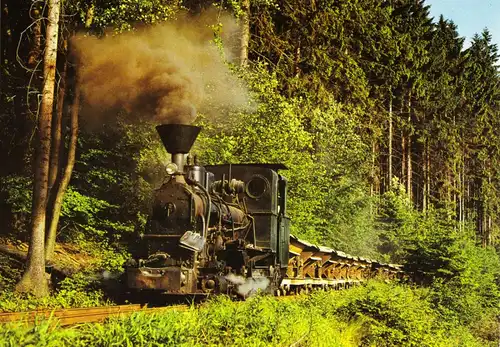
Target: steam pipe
{"points": [[209, 209], [178, 159]]}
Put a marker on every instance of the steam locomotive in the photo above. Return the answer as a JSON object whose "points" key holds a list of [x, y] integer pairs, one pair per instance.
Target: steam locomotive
{"points": [[225, 229]]}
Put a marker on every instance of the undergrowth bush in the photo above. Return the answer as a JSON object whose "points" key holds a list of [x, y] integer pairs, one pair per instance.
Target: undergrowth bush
{"points": [[89, 285], [462, 277], [397, 315], [80, 290], [9, 273], [377, 314]]}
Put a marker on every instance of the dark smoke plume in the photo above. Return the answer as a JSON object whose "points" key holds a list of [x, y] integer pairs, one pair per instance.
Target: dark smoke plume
{"points": [[164, 73]]}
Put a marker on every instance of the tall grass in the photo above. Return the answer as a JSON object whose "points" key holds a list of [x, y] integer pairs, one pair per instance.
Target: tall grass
{"points": [[374, 315]]}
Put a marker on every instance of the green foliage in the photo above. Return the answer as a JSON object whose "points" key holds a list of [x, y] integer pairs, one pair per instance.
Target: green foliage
{"points": [[323, 75], [79, 212], [473, 293], [110, 258], [83, 211], [463, 277], [10, 274], [396, 315], [403, 227], [39, 335], [123, 15], [320, 147], [86, 287], [377, 314], [18, 190], [81, 290], [260, 321], [235, 5]]}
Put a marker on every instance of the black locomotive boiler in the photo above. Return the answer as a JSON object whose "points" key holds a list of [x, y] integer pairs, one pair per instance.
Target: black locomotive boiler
{"points": [[225, 229]]}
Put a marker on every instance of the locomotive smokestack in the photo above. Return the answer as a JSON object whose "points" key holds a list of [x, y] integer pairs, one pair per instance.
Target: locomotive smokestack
{"points": [[178, 140]]}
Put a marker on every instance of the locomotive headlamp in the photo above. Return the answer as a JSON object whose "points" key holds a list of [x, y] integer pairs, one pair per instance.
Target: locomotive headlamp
{"points": [[171, 168]]}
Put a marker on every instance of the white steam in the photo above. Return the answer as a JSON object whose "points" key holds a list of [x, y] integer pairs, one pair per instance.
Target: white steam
{"points": [[248, 286]]}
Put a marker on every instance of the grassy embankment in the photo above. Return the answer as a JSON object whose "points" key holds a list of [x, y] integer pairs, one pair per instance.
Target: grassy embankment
{"points": [[377, 314]]}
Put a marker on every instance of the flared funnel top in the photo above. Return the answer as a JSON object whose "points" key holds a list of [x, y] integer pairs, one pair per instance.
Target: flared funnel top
{"points": [[178, 138]]}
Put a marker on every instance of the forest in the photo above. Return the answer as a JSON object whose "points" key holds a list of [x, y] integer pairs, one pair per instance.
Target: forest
{"points": [[384, 116]]}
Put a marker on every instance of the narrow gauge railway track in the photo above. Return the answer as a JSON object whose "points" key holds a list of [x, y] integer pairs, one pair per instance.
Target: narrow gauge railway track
{"points": [[74, 316]]}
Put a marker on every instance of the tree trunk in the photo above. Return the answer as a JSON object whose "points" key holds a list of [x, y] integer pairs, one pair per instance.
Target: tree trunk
{"points": [[390, 143], [64, 182], [449, 186], [464, 190], [425, 171], [489, 237], [460, 196], [244, 32], [408, 152], [403, 144], [403, 157], [460, 199], [429, 173], [468, 198], [57, 197], [57, 123], [34, 279], [477, 193], [372, 170], [56, 146], [375, 178], [486, 206]]}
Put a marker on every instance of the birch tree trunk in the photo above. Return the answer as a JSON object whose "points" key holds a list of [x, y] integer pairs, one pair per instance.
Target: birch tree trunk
{"points": [[34, 279], [245, 32], [63, 181]]}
